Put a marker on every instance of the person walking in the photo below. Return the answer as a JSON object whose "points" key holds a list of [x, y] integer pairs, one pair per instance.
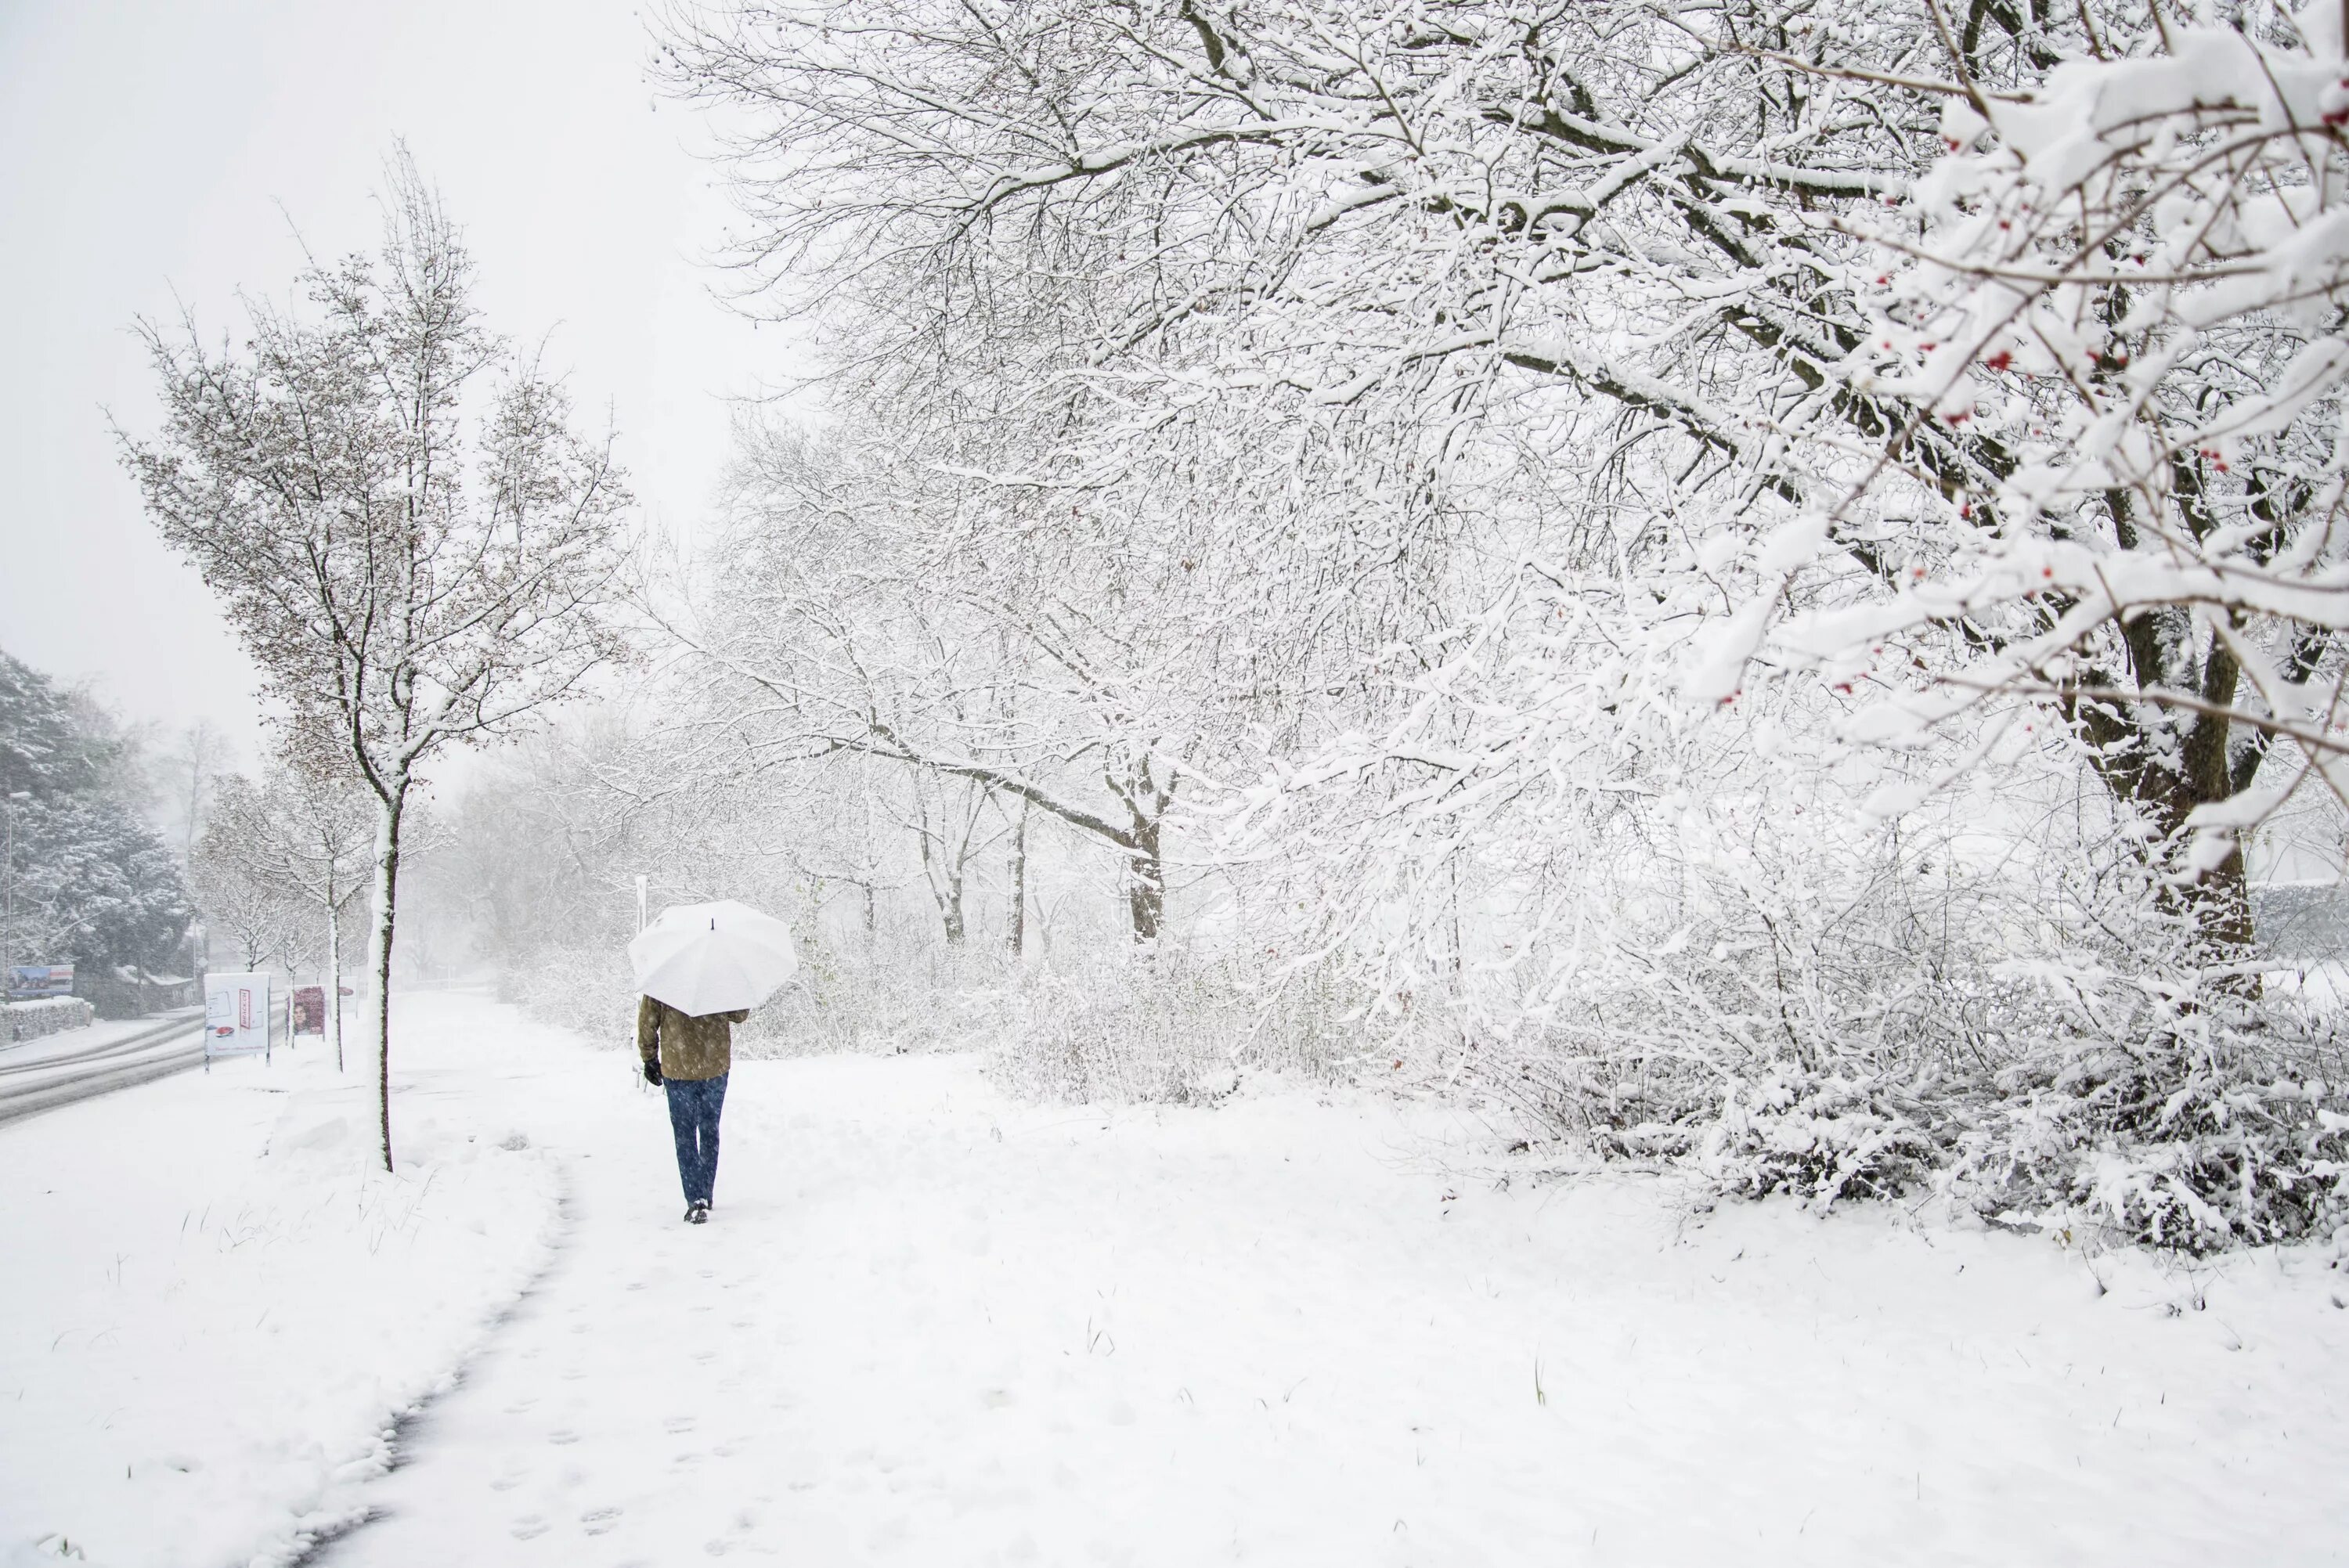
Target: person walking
{"points": [[689, 1055]]}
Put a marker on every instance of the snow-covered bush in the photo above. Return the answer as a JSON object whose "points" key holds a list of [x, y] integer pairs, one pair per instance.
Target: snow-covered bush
{"points": [[1163, 1028], [2194, 1123], [926, 1002], [1742, 944], [586, 990]]}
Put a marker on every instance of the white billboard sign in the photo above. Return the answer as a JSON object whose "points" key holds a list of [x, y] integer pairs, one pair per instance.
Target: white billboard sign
{"points": [[236, 1014]]}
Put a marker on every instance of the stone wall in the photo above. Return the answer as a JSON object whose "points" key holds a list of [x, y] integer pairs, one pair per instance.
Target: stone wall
{"points": [[31, 1020]]}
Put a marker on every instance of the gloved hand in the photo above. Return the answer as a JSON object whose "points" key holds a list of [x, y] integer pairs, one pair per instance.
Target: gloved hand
{"points": [[652, 1072]]}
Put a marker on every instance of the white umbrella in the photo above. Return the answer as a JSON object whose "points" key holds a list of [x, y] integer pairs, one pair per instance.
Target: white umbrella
{"points": [[712, 958]]}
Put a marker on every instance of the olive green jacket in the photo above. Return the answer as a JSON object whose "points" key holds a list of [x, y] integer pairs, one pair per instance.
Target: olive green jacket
{"points": [[688, 1048]]}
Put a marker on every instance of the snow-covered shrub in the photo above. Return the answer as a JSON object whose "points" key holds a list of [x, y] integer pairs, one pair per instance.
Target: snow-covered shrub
{"points": [[1120, 1034], [929, 1002], [1818, 1137], [2196, 1121], [1786, 999], [588, 990], [1740, 945], [2079, 1060], [1163, 1027]]}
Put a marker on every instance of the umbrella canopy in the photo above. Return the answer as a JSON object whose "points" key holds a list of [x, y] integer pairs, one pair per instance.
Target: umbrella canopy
{"points": [[712, 958]]}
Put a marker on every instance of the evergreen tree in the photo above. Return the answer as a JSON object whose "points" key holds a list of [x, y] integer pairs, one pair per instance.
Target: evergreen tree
{"points": [[90, 884]]}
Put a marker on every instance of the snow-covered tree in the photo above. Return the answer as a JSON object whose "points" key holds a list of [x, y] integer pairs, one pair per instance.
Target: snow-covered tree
{"points": [[869, 611], [408, 536], [47, 744], [239, 899], [184, 772], [1601, 412], [2129, 277], [89, 883], [1689, 227], [308, 843]]}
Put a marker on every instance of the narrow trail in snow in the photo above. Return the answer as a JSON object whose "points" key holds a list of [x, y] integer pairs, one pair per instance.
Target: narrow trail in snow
{"points": [[410, 1432], [586, 1400], [932, 1327]]}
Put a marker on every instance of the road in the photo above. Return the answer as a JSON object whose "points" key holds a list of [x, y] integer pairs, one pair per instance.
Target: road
{"points": [[58, 1070]]}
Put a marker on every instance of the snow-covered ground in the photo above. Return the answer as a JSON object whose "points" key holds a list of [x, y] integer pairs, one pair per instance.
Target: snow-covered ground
{"points": [[930, 1326], [211, 1306]]}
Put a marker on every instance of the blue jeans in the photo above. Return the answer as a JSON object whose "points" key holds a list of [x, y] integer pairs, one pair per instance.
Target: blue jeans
{"points": [[693, 1107]]}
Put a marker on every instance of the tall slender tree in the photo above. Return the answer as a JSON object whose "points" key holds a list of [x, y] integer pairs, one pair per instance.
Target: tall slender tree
{"points": [[408, 534]]}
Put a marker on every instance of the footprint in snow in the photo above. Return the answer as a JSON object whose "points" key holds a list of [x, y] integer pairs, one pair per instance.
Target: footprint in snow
{"points": [[529, 1525], [679, 1424], [562, 1435], [597, 1521]]}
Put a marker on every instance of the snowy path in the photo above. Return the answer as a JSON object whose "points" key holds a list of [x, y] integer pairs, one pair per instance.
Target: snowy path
{"points": [[926, 1326], [211, 1302], [929, 1326]]}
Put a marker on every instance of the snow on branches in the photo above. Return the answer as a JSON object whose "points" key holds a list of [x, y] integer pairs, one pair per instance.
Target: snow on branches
{"points": [[2126, 281], [1742, 381]]}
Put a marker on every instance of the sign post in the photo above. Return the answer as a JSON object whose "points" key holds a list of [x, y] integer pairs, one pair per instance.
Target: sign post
{"points": [[236, 1016]]}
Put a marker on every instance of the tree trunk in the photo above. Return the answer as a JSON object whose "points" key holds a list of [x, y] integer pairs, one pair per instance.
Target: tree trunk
{"points": [[2219, 906], [1145, 890], [1016, 938], [944, 873], [2225, 918], [950, 908], [386, 892], [335, 974], [2129, 757]]}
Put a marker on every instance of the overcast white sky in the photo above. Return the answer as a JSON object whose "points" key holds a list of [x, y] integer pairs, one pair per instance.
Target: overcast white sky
{"points": [[150, 147]]}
